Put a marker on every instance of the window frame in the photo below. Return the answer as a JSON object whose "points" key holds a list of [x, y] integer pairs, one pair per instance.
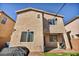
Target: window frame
{"points": [[53, 21], [4, 20], [28, 37], [54, 38], [38, 15]]}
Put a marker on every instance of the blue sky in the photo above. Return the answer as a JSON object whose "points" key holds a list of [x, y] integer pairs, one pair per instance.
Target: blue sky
{"points": [[69, 11]]}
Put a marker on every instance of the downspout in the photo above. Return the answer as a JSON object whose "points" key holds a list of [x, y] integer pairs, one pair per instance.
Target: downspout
{"points": [[43, 31]]}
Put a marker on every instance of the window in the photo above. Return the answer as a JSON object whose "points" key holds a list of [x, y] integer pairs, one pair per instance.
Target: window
{"points": [[53, 38], [38, 16], [53, 21], [3, 21], [27, 37], [30, 37], [23, 36]]}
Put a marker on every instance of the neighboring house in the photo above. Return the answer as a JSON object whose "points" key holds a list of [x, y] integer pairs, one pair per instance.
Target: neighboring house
{"points": [[6, 28], [39, 30], [72, 28]]}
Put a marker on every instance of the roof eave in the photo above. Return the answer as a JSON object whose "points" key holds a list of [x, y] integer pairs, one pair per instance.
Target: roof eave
{"points": [[27, 9], [7, 15], [72, 20]]}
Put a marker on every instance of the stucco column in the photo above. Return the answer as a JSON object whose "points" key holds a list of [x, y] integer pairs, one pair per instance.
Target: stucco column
{"points": [[66, 41], [58, 45]]}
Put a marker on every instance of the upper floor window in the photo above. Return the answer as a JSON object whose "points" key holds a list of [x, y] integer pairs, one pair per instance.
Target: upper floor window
{"points": [[53, 21], [27, 37], [38, 15], [3, 21]]}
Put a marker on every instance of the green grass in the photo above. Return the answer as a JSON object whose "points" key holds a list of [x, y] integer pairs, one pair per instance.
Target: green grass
{"points": [[60, 54]]}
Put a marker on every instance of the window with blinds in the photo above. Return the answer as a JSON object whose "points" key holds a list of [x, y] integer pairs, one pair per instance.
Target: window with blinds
{"points": [[27, 37]]}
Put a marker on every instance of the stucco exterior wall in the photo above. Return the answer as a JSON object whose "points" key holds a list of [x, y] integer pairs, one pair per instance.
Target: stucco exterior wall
{"points": [[29, 21], [52, 44], [75, 44], [73, 27], [6, 30], [58, 28]]}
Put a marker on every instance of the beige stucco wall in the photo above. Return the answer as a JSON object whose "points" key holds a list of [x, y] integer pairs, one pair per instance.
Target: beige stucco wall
{"points": [[6, 30], [25, 21], [58, 28], [28, 20], [52, 44], [73, 27]]}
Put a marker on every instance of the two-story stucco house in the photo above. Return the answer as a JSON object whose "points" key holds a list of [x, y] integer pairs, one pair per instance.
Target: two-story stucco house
{"points": [[6, 28], [39, 30]]}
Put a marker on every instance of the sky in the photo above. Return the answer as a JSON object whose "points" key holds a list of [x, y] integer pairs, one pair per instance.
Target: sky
{"points": [[69, 11]]}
